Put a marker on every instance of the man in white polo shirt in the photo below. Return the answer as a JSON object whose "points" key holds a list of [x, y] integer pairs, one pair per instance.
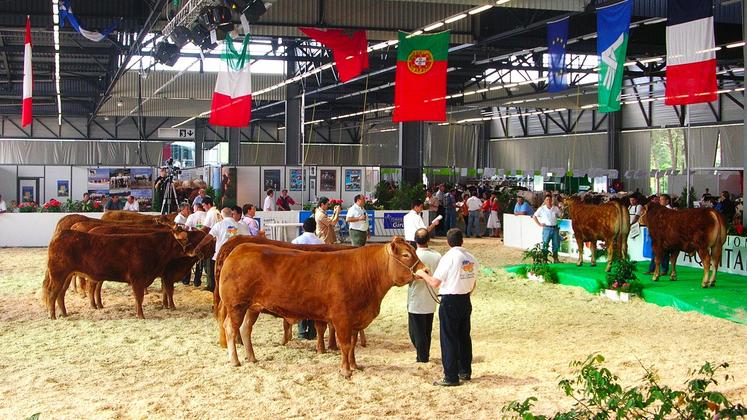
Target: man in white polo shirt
{"points": [[547, 217], [474, 205], [269, 204], [414, 221], [421, 300], [358, 221], [222, 231], [212, 215], [308, 237], [455, 277]]}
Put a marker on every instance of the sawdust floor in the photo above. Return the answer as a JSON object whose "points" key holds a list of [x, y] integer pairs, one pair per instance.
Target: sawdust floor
{"points": [[108, 364]]}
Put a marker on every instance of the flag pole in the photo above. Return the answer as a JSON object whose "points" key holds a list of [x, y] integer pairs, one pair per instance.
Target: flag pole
{"points": [[687, 155], [304, 180]]}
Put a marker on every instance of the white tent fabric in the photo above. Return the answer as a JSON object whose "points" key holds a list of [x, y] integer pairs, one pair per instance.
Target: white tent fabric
{"points": [[732, 146], [576, 151], [636, 156], [80, 153]]}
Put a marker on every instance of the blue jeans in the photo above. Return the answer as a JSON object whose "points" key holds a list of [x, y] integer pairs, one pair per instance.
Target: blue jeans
{"points": [[664, 264], [473, 224], [551, 233], [451, 218]]}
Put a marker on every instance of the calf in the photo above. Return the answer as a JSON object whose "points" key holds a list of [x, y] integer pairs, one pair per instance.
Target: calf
{"points": [[344, 288], [608, 222], [701, 230]]}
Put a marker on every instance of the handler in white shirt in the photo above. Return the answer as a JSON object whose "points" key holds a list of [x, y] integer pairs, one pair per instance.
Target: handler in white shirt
{"points": [[358, 220], [269, 204], [474, 205], [414, 221], [131, 204], [455, 276], [421, 300], [212, 215], [308, 237], [183, 215], [635, 210], [222, 231], [547, 217], [196, 219]]}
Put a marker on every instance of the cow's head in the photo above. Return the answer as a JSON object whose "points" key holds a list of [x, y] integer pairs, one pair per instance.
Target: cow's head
{"points": [[404, 261], [652, 207], [164, 221]]}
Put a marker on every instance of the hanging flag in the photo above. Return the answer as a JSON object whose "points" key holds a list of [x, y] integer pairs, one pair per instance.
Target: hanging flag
{"points": [[66, 13], [612, 44], [420, 80], [232, 98], [350, 51], [557, 37], [28, 79], [691, 55]]}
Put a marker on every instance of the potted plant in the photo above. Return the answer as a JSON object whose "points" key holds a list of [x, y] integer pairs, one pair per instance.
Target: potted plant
{"points": [[622, 283], [52, 206], [540, 269], [27, 207]]}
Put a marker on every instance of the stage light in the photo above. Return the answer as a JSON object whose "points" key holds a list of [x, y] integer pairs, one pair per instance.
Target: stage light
{"points": [[211, 17], [180, 35], [166, 53], [200, 36], [252, 9]]}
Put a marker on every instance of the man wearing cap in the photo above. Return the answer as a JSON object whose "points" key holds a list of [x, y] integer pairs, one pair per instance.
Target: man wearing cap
{"points": [[357, 219]]}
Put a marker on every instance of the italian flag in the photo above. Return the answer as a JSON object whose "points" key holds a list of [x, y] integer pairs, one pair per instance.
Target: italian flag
{"points": [[420, 83], [232, 98], [28, 80]]}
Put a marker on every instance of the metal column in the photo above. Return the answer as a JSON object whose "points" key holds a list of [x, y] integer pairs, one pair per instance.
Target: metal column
{"points": [[412, 141], [293, 111], [200, 129], [614, 146], [234, 146]]}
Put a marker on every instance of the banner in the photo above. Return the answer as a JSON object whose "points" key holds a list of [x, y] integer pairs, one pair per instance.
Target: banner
{"points": [[613, 23], [557, 38], [137, 182]]}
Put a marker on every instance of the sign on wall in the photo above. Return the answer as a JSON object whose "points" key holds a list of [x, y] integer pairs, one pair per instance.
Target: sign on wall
{"points": [[138, 182], [177, 133]]}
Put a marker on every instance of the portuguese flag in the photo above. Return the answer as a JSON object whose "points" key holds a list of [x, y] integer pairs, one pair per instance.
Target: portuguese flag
{"points": [[420, 84]]}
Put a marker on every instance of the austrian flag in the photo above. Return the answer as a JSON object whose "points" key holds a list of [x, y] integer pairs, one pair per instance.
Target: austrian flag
{"points": [[691, 56], [232, 98]]}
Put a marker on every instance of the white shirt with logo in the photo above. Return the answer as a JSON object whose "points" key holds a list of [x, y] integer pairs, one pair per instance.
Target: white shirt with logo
{"points": [[548, 216], [413, 221], [225, 230], [212, 217], [419, 298], [457, 271], [307, 238], [356, 211], [196, 220]]}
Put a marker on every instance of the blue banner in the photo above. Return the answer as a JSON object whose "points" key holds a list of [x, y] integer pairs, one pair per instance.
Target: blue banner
{"points": [[557, 38], [394, 220], [66, 13]]}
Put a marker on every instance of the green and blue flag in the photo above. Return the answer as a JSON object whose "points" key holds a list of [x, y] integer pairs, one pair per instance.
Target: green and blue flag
{"points": [[613, 23]]}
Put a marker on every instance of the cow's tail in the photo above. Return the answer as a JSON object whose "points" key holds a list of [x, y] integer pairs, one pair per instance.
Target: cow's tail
{"points": [[623, 227], [46, 285]]}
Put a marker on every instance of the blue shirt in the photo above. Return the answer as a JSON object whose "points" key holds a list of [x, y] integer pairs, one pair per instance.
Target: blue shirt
{"points": [[523, 207]]}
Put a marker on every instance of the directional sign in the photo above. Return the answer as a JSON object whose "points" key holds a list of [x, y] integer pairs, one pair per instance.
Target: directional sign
{"points": [[187, 133]]}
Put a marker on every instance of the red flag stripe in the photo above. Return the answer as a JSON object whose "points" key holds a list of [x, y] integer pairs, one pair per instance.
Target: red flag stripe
{"points": [[26, 107]]}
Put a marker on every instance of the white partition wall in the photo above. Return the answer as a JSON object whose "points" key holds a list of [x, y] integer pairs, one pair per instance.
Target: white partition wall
{"points": [[248, 186], [8, 182], [78, 182], [57, 183]]}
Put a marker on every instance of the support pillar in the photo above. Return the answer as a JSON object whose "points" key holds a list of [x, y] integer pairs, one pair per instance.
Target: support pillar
{"points": [[292, 114], [614, 144], [412, 142], [234, 146], [483, 146], [200, 128]]}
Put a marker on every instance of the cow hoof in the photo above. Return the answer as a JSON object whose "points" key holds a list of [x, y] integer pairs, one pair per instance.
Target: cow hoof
{"points": [[673, 279], [346, 373], [236, 363], [252, 360], [333, 348], [654, 279], [704, 285], [580, 264]]}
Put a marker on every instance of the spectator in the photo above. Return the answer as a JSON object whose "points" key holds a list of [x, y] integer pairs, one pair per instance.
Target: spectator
{"points": [[522, 208], [212, 215], [725, 206], [201, 194], [284, 201], [474, 206], [113, 204], [440, 201], [308, 237], [325, 225], [196, 221], [421, 301], [413, 221], [249, 212], [222, 231], [635, 210], [450, 207], [269, 203], [161, 184], [547, 217], [455, 277], [494, 220], [183, 215], [358, 221], [133, 205], [3, 207]]}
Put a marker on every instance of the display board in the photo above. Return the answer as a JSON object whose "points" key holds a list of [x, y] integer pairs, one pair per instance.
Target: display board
{"points": [[138, 182]]}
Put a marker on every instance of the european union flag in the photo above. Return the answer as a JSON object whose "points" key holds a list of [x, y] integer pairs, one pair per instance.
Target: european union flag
{"points": [[557, 38]]}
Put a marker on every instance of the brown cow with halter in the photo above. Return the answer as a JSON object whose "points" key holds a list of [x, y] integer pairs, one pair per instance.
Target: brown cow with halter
{"points": [[701, 230], [608, 222], [344, 288]]}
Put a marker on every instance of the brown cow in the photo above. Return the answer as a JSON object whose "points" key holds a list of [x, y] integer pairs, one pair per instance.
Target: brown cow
{"points": [[136, 259], [701, 230], [135, 217], [591, 222], [344, 288], [220, 312]]}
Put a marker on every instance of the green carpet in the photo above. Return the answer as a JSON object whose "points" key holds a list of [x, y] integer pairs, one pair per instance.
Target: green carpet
{"points": [[727, 300]]}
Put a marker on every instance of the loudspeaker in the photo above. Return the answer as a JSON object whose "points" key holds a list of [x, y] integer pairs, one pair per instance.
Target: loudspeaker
{"points": [[166, 53]]}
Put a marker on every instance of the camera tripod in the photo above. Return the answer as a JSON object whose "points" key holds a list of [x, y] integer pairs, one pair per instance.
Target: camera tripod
{"points": [[169, 196]]}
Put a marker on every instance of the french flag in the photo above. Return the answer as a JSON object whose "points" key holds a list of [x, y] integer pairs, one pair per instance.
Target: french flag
{"points": [[691, 55]]}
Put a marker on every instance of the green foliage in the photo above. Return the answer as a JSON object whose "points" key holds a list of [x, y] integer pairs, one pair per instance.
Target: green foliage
{"points": [[679, 202], [210, 192], [398, 198], [506, 199], [34, 416], [599, 395], [622, 277], [540, 263], [384, 192]]}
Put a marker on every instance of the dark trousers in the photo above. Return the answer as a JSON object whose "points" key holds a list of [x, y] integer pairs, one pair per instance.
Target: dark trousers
{"points": [[306, 329], [456, 343], [211, 275], [664, 267], [420, 327], [198, 274], [441, 228]]}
